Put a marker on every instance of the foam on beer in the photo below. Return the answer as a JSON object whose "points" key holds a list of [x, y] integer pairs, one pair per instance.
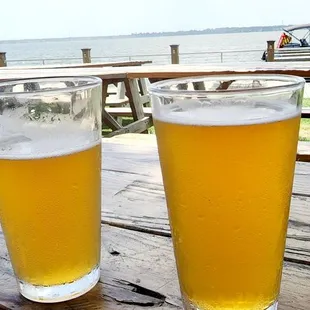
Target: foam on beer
{"points": [[31, 140], [195, 112]]}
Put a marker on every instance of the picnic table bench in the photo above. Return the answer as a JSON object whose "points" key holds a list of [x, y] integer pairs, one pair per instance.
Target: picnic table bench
{"points": [[137, 266]]}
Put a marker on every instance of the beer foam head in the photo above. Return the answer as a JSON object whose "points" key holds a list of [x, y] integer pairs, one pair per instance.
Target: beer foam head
{"points": [[29, 140], [217, 113]]}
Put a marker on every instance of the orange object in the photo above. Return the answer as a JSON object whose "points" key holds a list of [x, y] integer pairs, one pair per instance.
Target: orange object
{"points": [[284, 39]]}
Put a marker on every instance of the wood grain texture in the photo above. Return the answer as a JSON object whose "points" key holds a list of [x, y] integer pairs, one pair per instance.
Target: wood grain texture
{"points": [[108, 120], [138, 126], [162, 72], [138, 154], [132, 92], [134, 197], [138, 203], [175, 71], [124, 111]]}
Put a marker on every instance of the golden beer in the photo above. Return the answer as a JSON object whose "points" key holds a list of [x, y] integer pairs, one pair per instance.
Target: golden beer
{"points": [[50, 214], [228, 186]]}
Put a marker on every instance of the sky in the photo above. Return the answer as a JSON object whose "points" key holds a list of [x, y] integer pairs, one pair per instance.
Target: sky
{"points": [[33, 19]]}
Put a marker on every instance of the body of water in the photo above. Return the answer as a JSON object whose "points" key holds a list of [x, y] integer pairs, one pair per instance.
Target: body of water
{"points": [[192, 48]]}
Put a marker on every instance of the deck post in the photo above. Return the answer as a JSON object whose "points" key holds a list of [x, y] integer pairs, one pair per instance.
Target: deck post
{"points": [[2, 59], [270, 51], [175, 54], [86, 55]]}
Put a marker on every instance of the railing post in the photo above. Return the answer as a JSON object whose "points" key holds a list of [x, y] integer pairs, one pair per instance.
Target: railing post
{"points": [[86, 55], [270, 51], [221, 57], [2, 59], [175, 59]]}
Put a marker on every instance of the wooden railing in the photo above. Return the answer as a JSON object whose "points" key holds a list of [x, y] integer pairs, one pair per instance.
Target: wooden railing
{"points": [[175, 56]]}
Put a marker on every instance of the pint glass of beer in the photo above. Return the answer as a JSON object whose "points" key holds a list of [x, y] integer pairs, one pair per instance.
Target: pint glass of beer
{"points": [[227, 147], [50, 186]]}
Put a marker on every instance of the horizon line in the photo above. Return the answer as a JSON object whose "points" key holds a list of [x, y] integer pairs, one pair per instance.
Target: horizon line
{"points": [[153, 33]]}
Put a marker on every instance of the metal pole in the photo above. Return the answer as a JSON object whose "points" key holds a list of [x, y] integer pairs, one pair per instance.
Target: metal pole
{"points": [[175, 59], [270, 51], [86, 55], [3, 59]]}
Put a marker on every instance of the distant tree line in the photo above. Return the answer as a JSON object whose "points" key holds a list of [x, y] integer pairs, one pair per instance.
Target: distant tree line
{"points": [[210, 31], [169, 33]]}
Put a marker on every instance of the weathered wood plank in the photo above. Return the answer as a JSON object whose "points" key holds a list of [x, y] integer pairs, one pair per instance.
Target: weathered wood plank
{"points": [[137, 202], [114, 102], [295, 275], [132, 92], [163, 72], [143, 86], [108, 120], [299, 68], [132, 153], [138, 126], [134, 195], [138, 272], [303, 151], [126, 111]]}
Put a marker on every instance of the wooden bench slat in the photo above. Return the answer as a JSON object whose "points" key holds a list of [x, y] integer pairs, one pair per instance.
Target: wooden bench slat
{"points": [[116, 102], [126, 112], [138, 126], [303, 153]]}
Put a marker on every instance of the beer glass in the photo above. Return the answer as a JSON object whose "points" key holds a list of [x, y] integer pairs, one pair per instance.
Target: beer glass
{"points": [[227, 147], [50, 185]]}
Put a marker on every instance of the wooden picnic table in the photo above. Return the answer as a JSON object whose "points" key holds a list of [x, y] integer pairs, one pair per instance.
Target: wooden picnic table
{"points": [[127, 63], [135, 90], [134, 78], [164, 71], [137, 266], [175, 71]]}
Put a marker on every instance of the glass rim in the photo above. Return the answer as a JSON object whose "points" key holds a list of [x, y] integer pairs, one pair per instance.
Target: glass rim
{"points": [[293, 82], [93, 82]]}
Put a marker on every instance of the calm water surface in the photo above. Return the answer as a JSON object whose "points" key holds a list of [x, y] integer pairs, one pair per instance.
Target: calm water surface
{"points": [[118, 49]]}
